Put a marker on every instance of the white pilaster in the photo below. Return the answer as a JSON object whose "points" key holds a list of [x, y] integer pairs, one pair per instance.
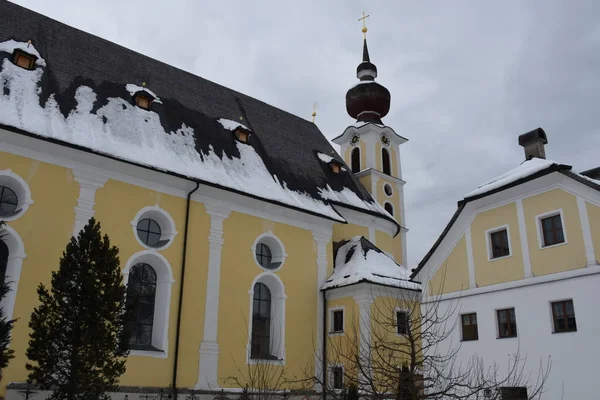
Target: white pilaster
{"points": [[587, 232], [470, 263], [364, 302], [322, 238], [523, 237], [209, 348], [84, 210]]}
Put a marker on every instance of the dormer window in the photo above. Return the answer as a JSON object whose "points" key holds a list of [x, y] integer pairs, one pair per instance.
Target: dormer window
{"points": [[143, 100], [24, 60], [336, 166], [242, 135]]}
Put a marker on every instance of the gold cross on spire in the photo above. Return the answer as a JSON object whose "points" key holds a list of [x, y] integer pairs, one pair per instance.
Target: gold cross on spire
{"points": [[364, 21], [314, 113]]}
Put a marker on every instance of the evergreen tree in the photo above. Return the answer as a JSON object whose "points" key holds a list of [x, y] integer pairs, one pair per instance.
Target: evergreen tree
{"points": [[78, 343], [6, 326]]}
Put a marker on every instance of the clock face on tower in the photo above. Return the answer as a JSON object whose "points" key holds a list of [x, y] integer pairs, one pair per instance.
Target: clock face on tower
{"points": [[385, 139], [354, 139]]}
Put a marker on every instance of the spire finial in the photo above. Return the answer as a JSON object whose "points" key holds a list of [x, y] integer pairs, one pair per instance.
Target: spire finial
{"points": [[314, 113], [364, 21]]}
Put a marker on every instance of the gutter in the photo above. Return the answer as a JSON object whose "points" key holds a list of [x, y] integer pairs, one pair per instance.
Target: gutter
{"points": [[180, 303]]}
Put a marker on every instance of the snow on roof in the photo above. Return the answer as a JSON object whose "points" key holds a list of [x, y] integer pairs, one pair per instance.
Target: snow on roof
{"points": [[325, 158], [362, 83], [133, 89], [359, 260], [524, 170], [596, 181], [125, 131], [10, 46], [231, 125], [347, 196]]}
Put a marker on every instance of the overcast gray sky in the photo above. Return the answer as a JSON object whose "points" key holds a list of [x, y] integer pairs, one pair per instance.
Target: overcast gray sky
{"points": [[466, 77]]}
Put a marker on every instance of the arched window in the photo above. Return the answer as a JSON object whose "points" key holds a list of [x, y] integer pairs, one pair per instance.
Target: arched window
{"points": [[355, 160], [261, 323], [385, 162], [141, 297], [389, 208], [3, 261]]}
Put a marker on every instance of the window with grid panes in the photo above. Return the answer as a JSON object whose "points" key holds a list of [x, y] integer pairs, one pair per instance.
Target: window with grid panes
{"points": [[469, 327], [507, 323], [338, 377], [261, 323], [563, 314], [402, 322], [338, 321], [141, 297], [3, 261], [552, 230], [499, 243], [8, 201]]}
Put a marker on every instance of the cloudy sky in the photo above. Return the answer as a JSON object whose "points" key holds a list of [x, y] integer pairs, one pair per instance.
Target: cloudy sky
{"points": [[466, 77]]}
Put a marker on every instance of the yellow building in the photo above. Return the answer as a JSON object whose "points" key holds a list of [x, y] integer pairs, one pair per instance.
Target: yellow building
{"points": [[519, 261], [224, 208]]}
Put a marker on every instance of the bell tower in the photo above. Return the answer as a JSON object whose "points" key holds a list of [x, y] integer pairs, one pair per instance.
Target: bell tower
{"points": [[372, 149]]}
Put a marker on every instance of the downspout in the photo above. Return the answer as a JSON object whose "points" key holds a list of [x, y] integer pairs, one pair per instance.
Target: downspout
{"points": [[182, 280], [324, 338]]}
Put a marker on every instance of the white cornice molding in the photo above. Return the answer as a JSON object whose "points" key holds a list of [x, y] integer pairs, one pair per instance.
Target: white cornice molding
{"points": [[379, 174], [536, 280], [88, 184]]}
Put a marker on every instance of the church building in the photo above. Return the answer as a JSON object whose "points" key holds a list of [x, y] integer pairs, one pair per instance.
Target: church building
{"points": [[252, 238]]}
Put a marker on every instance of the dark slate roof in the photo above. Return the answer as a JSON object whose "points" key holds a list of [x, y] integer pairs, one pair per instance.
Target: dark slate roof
{"points": [[561, 168], [287, 143]]}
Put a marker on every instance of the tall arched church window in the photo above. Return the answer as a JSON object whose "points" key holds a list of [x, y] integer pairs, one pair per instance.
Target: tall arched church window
{"points": [[261, 323], [385, 161], [3, 261], [355, 160], [141, 297]]}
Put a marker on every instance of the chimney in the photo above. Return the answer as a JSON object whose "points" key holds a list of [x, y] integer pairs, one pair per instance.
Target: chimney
{"points": [[534, 142]]}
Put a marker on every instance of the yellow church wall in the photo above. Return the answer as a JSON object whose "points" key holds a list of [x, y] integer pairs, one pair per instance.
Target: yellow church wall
{"points": [[45, 229], [390, 244], [363, 155], [394, 199], [453, 274], [505, 269], [366, 181], [340, 346], [568, 256], [239, 269], [594, 216], [116, 222], [348, 231]]}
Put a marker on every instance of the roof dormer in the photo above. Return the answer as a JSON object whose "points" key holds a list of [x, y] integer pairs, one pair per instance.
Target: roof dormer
{"points": [[23, 59]]}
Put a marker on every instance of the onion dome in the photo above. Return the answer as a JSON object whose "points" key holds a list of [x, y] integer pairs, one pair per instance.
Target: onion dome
{"points": [[368, 101]]}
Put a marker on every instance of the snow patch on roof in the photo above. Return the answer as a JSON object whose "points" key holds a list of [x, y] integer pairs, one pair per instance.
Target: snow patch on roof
{"points": [[362, 83], [125, 131], [359, 260], [231, 125], [325, 158], [596, 181], [347, 196], [10, 46], [527, 168], [133, 89]]}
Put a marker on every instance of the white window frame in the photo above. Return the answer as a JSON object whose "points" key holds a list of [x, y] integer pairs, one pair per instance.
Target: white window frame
{"points": [[396, 311], [498, 337], [16, 255], [162, 300], [488, 242], [330, 368], [391, 189], [278, 298], [276, 246], [164, 220], [331, 332], [21, 189], [540, 232]]}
